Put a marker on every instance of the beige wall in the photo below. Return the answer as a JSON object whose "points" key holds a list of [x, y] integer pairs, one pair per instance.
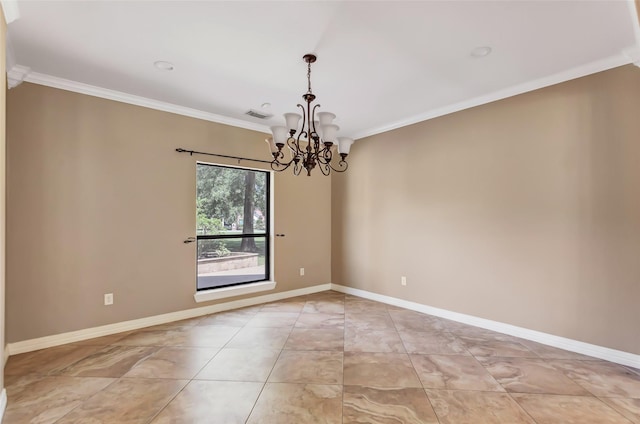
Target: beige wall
{"points": [[99, 202], [524, 211]]}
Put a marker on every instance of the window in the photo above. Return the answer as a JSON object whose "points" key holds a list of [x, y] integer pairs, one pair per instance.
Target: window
{"points": [[232, 226]]}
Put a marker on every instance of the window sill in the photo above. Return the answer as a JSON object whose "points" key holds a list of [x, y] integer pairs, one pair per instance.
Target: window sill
{"points": [[221, 293]]}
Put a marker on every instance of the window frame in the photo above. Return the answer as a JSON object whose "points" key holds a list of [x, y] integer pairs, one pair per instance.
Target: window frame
{"points": [[267, 283]]}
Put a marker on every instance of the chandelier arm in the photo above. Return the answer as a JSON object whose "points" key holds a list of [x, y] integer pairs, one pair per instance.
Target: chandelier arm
{"points": [[342, 164], [291, 144], [279, 166], [280, 155], [313, 119], [304, 118], [302, 134], [327, 154], [325, 168], [297, 168]]}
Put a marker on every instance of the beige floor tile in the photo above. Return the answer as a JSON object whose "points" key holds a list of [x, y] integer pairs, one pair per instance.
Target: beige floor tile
{"points": [[602, 378], [308, 367], [394, 307], [481, 334], [47, 360], [306, 348], [173, 362], [206, 336], [454, 325], [320, 320], [501, 348], [284, 306], [128, 400], [273, 319], [324, 306], [251, 365], [527, 375], [632, 369], [552, 409], [369, 321], [257, 337], [550, 352], [379, 370], [324, 295], [281, 403], [206, 402], [176, 325], [101, 341], [432, 343], [315, 339], [369, 405], [38, 399], [111, 361], [470, 407], [248, 309], [148, 337], [630, 408], [228, 318], [357, 305], [453, 372], [415, 321], [360, 340]]}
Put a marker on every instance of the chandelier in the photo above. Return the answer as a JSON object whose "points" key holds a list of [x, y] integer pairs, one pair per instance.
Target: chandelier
{"points": [[313, 144]]}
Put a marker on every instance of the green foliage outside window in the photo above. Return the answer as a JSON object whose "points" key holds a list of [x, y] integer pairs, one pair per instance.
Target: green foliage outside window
{"points": [[230, 201]]}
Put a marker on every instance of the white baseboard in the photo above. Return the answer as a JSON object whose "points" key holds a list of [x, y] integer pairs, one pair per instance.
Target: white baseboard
{"points": [[617, 356], [3, 403], [105, 330], [600, 352]]}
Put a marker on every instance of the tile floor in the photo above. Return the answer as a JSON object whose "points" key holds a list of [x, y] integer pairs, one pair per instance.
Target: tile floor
{"points": [[322, 358]]}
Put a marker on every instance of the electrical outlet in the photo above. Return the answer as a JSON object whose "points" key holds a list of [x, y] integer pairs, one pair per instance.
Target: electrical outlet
{"points": [[108, 299], [403, 280], [301, 271]]}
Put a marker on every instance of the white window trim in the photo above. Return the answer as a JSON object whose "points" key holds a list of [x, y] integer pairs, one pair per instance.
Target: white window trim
{"points": [[224, 292], [221, 293]]}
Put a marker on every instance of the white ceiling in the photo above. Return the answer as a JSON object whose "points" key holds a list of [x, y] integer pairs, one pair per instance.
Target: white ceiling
{"points": [[381, 64]]}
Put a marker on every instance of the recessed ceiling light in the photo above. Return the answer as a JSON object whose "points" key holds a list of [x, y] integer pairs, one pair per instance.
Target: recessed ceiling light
{"points": [[266, 105], [163, 65], [481, 51]]}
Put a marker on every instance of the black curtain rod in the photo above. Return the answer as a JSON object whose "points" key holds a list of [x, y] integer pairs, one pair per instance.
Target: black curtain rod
{"points": [[194, 152]]}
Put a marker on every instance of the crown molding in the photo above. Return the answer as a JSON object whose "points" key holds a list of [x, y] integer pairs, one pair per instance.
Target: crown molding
{"points": [[580, 71], [21, 73], [119, 96], [16, 75], [633, 54], [10, 9]]}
